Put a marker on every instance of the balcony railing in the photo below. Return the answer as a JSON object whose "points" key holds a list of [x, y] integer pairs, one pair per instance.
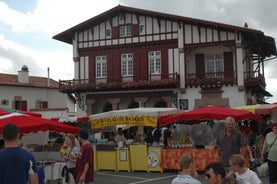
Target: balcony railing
{"points": [[148, 82], [254, 79], [211, 79]]}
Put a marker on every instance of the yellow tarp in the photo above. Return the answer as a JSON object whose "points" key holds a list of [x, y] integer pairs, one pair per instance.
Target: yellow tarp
{"points": [[249, 108], [125, 120]]}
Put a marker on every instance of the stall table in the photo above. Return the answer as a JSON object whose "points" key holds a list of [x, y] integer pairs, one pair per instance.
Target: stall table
{"points": [[106, 160], [154, 159], [123, 159], [138, 155], [170, 157]]}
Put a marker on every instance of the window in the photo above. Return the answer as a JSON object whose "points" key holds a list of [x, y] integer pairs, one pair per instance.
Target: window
{"points": [[154, 58], [127, 64], [101, 66], [214, 65], [125, 31], [41, 104], [20, 105]]}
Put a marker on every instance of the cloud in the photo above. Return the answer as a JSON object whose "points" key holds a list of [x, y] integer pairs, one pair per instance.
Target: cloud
{"points": [[15, 56], [50, 17]]}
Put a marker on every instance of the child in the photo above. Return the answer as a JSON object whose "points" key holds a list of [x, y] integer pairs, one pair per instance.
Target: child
{"points": [[242, 173]]}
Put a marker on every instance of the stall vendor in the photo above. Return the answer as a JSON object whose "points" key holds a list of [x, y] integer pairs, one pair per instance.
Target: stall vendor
{"points": [[119, 136]]}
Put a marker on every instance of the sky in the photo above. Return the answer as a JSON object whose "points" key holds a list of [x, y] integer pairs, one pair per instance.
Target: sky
{"points": [[27, 28]]}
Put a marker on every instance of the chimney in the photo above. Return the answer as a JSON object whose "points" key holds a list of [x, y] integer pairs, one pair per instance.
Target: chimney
{"points": [[23, 75]]}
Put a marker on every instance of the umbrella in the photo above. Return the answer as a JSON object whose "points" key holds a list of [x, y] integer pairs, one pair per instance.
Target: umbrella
{"points": [[6, 110], [135, 116], [71, 119], [210, 113], [260, 108], [28, 124]]}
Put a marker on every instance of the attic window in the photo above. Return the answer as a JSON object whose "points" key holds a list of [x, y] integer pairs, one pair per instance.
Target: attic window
{"points": [[125, 31]]}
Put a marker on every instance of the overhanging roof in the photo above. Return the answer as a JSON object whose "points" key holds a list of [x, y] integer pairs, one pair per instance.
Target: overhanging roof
{"points": [[67, 35]]}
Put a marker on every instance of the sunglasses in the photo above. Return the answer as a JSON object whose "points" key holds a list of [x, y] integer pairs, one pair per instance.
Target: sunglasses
{"points": [[208, 175]]}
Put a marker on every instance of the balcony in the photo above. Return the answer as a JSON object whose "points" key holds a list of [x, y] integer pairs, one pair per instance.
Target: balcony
{"points": [[254, 79], [71, 86], [211, 80]]}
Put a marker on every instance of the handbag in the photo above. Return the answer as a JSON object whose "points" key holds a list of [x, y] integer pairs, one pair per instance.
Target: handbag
{"points": [[265, 156], [266, 153]]}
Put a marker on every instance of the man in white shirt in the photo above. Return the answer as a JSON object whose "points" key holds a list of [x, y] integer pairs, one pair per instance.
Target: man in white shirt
{"points": [[119, 136]]}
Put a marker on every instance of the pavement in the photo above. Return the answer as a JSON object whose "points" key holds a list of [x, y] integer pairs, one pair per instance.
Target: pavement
{"points": [[111, 177]]}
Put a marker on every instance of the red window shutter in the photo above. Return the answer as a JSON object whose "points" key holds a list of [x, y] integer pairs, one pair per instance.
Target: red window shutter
{"points": [[23, 105], [164, 64], [228, 64], [144, 71], [44, 104], [135, 29], [115, 32], [200, 65]]}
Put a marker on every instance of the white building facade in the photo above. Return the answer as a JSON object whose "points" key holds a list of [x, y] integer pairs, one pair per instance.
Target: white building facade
{"points": [[128, 57], [36, 94]]}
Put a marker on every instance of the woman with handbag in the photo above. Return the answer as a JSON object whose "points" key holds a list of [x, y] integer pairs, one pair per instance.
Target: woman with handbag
{"points": [[70, 156], [270, 147]]}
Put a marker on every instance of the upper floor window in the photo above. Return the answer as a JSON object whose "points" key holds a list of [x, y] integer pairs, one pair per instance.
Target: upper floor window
{"points": [[127, 64], [101, 66], [214, 65], [154, 59], [41, 104], [125, 31]]}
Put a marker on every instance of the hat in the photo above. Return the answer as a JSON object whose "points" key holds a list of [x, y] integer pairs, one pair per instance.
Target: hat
{"points": [[83, 134]]}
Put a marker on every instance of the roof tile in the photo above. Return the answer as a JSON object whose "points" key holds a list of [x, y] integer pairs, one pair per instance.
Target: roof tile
{"points": [[41, 82]]}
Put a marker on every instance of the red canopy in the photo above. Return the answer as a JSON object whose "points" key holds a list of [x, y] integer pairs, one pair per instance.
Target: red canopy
{"points": [[28, 124], [71, 119], [210, 113], [6, 110]]}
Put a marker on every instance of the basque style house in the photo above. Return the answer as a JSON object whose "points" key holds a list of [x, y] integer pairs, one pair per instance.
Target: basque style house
{"points": [[30, 93], [128, 57]]}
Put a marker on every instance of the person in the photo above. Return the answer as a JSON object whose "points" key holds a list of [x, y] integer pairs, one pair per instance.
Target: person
{"points": [[70, 155], [167, 133], [84, 171], [229, 180], [157, 134], [215, 172], [188, 172], [271, 146], [268, 128], [2, 144], [230, 141], [242, 173], [17, 165], [119, 136]]}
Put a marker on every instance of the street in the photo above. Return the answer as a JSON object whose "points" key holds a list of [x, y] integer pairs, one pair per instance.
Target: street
{"points": [[111, 177]]}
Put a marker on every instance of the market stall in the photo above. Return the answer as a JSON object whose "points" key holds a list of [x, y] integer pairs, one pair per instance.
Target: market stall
{"points": [[36, 136], [195, 134], [260, 108], [209, 113], [135, 156]]}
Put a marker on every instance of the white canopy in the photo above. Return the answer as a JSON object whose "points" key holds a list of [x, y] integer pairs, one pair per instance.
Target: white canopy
{"points": [[137, 116], [141, 111]]}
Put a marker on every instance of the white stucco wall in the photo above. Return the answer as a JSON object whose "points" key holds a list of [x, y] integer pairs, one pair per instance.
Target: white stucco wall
{"points": [[54, 98]]}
